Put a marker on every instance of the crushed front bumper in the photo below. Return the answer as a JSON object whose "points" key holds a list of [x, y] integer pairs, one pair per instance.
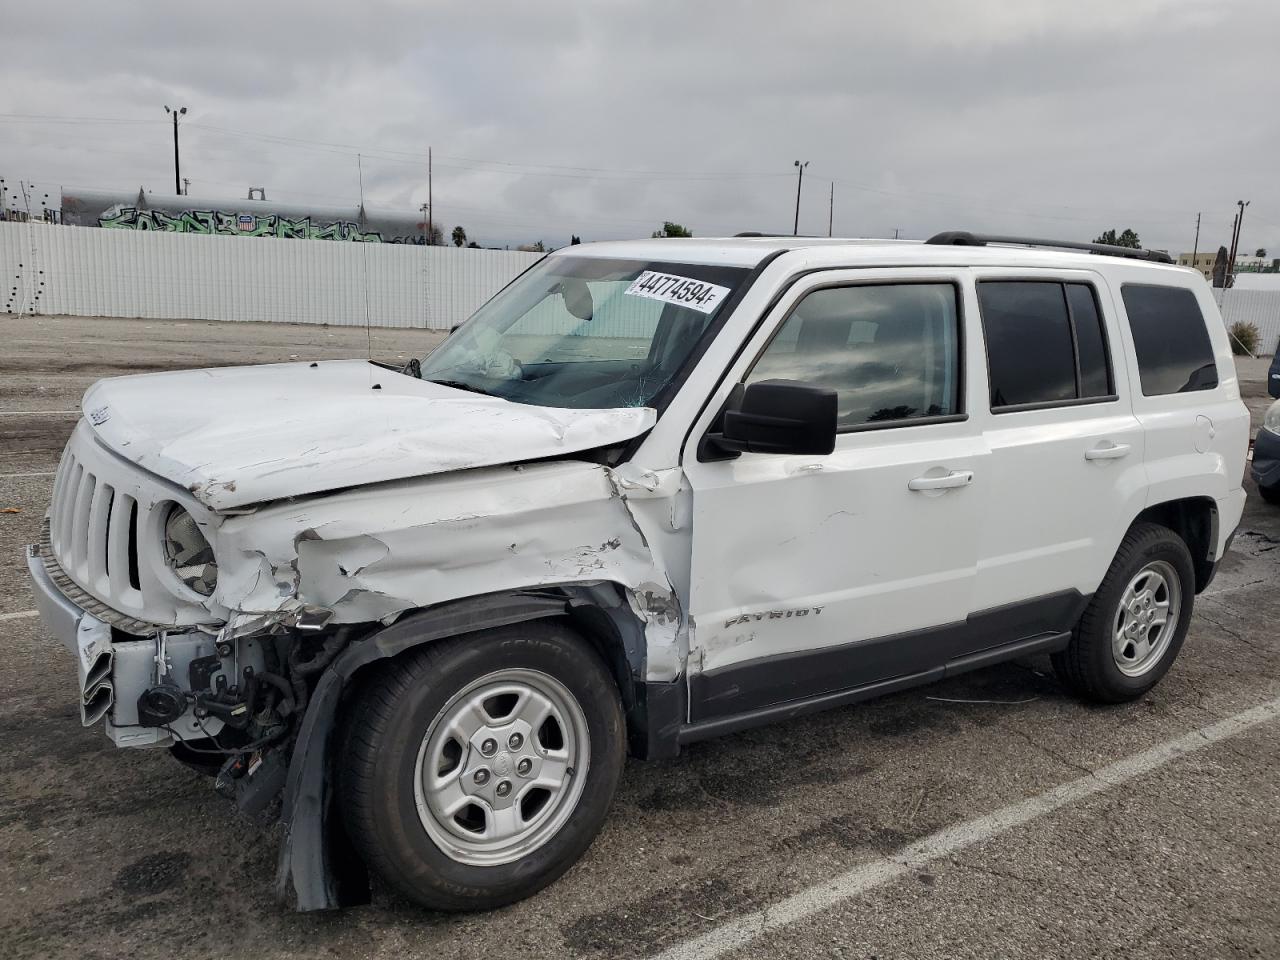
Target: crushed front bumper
{"points": [[114, 668], [318, 869]]}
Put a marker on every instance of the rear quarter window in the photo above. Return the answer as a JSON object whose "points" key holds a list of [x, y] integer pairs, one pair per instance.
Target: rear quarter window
{"points": [[1170, 340]]}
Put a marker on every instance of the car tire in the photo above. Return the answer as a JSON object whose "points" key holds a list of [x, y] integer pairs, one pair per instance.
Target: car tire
{"points": [[427, 723], [1270, 494], [1120, 649]]}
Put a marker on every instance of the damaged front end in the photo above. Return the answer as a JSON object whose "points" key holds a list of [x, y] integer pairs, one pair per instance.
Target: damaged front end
{"points": [[228, 704], [233, 708], [233, 635]]}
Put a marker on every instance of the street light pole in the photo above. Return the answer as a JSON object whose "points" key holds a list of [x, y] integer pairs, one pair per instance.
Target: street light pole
{"points": [[177, 172], [795, 231]]}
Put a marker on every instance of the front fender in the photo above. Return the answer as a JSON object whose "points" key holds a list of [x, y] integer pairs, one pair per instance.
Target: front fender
{"points": [[377, 553]]}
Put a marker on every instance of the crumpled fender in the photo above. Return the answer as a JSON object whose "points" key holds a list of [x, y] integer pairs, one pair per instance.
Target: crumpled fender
{"points": [[376, 553]]}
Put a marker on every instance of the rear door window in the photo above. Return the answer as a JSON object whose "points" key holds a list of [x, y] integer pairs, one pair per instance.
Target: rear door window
{"points": [[1170, 339], [1091, 341], [1046, 344]]}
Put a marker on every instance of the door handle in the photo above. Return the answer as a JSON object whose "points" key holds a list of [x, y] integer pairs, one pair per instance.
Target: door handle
{"points": [[1111, 451], [956, 478]]}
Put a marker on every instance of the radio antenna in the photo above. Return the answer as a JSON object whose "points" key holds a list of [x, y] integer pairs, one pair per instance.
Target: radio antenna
{"points": [[364, 262]]}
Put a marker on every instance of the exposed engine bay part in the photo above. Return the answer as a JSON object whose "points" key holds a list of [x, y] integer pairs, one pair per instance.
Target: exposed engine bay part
{"points": [[161, 705], [254, 782], [218, 704]]}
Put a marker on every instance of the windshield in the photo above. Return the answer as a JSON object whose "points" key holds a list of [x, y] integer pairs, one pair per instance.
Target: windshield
{"points": [[585, 332]]}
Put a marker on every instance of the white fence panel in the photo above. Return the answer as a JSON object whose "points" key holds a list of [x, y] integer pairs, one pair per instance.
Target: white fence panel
{"points": [[88, 271], [1259, 307]]}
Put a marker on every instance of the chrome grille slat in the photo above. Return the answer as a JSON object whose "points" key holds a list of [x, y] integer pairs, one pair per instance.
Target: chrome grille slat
{"points": [[96, 542], [79, 552], [118, 548], [59, 489], [65, 515]]}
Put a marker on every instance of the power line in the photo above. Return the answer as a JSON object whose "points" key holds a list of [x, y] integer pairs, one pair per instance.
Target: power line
{"points": [[517, 168]]}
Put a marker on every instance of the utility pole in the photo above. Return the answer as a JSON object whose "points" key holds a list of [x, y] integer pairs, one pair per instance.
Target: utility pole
{"points": [[795, 231], [895, 233], [177, 176], [431, 233], [1226, 273], [831, 208], [186, 187], [1195, 247], [1235, 236]]}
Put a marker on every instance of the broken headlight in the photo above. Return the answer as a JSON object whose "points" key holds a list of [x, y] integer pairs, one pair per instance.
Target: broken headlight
{"points": [[188, 552]]}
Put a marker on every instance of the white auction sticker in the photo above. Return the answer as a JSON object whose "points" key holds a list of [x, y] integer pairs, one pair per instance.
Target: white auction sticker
{"points": [[682, 291]]}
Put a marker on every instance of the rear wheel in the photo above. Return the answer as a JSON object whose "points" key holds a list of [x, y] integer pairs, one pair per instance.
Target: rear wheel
{"points": [[1270, 494], [1134, 626], [477, 770]]}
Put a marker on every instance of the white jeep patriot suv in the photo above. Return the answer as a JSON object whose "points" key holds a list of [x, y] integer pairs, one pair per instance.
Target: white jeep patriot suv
{"points": [[652, 492]]}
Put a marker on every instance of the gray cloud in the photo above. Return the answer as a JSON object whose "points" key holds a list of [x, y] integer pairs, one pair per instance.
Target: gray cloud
{"points": [[1035, 117]]}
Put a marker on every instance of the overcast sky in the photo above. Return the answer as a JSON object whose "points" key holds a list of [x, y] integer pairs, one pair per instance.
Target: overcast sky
{"points": [[605, 118]]}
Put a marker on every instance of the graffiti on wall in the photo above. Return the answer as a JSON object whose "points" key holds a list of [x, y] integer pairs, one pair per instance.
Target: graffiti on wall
{"points": [[241, 224]]}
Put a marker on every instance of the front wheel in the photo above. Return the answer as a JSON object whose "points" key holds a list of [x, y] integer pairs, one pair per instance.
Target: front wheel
{"points": [[1270, 494], [1134, 626], [477, 770]]}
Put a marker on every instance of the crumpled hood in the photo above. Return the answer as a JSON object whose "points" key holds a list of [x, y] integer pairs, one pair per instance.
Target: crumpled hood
{"points": [[240, 435]]}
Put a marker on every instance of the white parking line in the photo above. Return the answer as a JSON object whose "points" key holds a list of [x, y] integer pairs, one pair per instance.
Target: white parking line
{"points": [[38, 413], [20, 615], [740, 933], [43, 473]]}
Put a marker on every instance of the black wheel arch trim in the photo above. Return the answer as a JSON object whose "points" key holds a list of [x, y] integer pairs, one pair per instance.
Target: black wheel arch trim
{"points": [[1174, 515], [318, 867]]}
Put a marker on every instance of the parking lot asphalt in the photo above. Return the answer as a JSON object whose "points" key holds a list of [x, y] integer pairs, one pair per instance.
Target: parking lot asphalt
{"points": [[989, 816]]}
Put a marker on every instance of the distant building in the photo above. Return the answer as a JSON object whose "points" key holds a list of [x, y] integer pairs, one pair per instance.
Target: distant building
{"points": [[1257, 264], [1205, 259], [241, 216]]}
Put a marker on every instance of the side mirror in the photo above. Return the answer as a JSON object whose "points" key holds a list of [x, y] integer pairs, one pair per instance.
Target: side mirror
{"points": [[777, 416]]}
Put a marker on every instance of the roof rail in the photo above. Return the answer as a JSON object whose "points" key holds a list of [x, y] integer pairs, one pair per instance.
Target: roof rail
{"points": [[962, 238]]}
